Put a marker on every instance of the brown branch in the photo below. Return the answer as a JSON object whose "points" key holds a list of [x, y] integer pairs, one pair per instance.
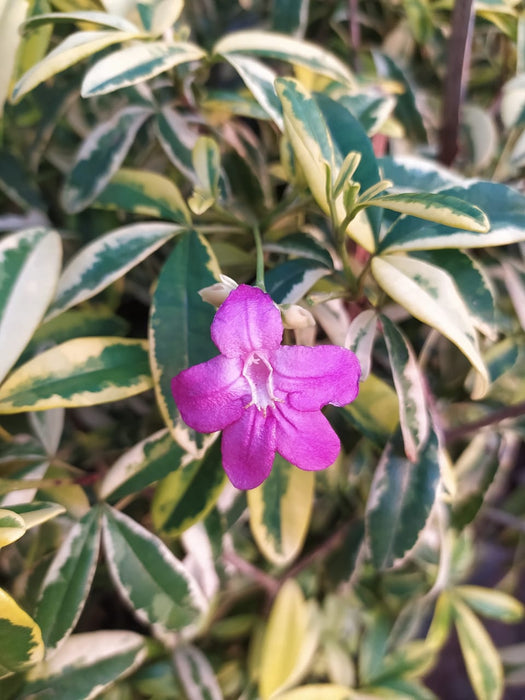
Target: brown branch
{"points": [[320, 552], [264, 580], [458, 62], [502, 414]]}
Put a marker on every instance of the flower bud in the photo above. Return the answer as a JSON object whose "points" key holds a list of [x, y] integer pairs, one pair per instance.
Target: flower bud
{"points": [[218, 292], [295, 317]]}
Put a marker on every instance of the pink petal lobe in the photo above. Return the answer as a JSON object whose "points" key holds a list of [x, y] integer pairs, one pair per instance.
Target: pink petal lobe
{"points": [[248, 320], [315, 376], [248, 448], [211, 395], [305, 438]]}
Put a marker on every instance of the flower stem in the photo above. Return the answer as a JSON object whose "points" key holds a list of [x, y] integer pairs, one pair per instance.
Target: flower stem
{"points": [[259, 270]]}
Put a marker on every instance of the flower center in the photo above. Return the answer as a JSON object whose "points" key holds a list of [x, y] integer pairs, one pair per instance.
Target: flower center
{"points": [[259, 374]]}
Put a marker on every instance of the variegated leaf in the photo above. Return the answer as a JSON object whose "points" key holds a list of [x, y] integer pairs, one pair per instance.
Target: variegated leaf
{"points": [[12, 14], [280, 511], [437, 207], [21, 640], [86, 665], [196, 674], [100, 156], [149, 577], [68, 580], [259, 79], [135, 64], [360, 339], [429, 294], [189, 493], [106, 259], [144, 192], [29, 267], [481, 657], [37, 512], [12, 527], [104, 19], [177, 139], [409, 383], [72, 50], [401, 497], [150, 460], [285, 48], [157, 16], [79, 372], [289, 643]]}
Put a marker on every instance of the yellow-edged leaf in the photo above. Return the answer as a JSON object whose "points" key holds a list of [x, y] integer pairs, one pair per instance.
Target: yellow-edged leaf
{"points": [[280, 511], [79, 372], [21, 640], [12, 14], [430, 295], [12, 527], [289, 642]]}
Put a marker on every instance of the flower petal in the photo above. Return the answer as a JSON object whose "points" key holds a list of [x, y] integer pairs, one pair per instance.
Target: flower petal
{"points": [[305, 438], [211, 395], [313, 377], [248, 320], [248, 448]]}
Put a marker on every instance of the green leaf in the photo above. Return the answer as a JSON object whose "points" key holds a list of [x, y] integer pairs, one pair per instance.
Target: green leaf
{"points": [[280, 511], [196, 674], [149, 577], [85, 665], [491, 603], [481, 657], [12, 527], [289, 282], [80, 372], [100, 156], [29, 267], [179, 325], [437, 207], [414, 173], [321, 691], [290, 16], [18, 184], [149, 460], [289, 642], [20, 638], [406, 110], [430, 295], [106, 259], [259, 79], [285, 48], [400, 500], [177, 140], [502, 205], [68, 580], [72, 50], [187, 495], [409, 383], [144, 192], [301, 245], [136, 64], [348, 135]]}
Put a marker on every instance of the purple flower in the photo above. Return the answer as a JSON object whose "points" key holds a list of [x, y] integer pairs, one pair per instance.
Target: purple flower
{"points": [[264, 396]]}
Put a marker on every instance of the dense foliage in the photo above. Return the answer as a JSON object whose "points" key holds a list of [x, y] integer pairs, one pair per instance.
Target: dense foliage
{"points": [[161, 149]]}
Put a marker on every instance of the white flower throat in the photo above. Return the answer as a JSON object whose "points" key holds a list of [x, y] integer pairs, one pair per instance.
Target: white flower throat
{"points": [[259, 375]]}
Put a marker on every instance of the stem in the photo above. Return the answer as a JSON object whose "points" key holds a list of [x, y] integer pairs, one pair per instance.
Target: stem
{"points": [[264, 580], [320, 552], [459, 49], [502, 414], [259, 275]]}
